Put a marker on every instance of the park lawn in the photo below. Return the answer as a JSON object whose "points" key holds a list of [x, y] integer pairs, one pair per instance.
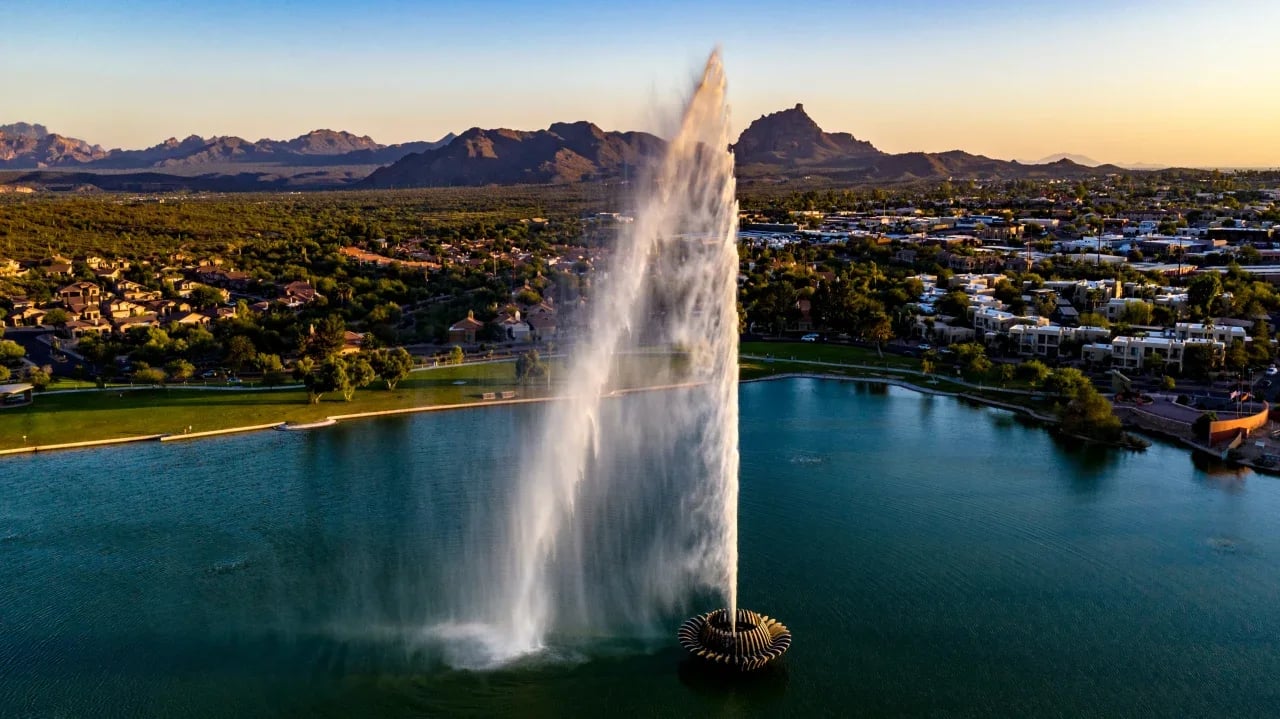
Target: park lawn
{"points": [[61, 417], [819, 352], [57, 418]]}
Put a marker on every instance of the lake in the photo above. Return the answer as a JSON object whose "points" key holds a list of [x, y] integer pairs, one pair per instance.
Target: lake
{"points": [[930, 557]]}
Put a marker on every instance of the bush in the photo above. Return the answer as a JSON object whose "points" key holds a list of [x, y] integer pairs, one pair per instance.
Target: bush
{"points": [[1201, 425]]}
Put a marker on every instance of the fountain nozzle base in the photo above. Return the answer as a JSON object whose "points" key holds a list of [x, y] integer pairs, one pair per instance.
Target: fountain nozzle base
{"points": [[749, 643]]}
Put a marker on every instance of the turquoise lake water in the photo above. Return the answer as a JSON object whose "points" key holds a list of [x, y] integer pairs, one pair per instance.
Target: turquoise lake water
{"points": [[931, 558]]}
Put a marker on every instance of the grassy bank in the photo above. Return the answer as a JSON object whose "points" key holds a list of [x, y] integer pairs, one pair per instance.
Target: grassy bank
{"points": [[55, 418]]}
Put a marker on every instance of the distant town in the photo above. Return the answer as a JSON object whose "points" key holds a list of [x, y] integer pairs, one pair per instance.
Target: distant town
{"points": [[1167, 281]]}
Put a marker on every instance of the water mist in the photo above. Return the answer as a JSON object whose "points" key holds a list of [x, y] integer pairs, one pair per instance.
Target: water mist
{"points": [[625, 508]]}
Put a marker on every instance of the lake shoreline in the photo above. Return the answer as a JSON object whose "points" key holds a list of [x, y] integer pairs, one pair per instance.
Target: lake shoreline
{"points": [[329, 421], [339, 418]]}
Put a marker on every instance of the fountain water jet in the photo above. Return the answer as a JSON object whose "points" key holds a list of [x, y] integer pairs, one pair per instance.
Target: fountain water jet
{"points": [[590, 544]]}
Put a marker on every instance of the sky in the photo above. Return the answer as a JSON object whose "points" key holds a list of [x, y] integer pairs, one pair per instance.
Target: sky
{"points": [[1185, 82]]}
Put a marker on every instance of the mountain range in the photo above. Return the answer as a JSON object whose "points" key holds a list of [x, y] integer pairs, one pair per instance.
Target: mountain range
{"points": [[31, 146], [778, 147], [563, 153]]}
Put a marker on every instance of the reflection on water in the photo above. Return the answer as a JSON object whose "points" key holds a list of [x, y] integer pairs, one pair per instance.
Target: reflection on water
{"points": [[931, 558]]}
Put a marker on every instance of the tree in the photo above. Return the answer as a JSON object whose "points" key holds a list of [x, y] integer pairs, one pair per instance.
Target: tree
{"points": [[1202, 292], [392, 365], [1260, 350], [359, 374], [528, 297], [977, 368], [1093, 319], [320, 378], [240, 352], [456, 355], [4, 373], [954, 304], [1005, 373], [1156, 363], [877, 328], [1135, 313], [1066, 382], [927, 366], [271, 368], [11, 351], [206, 296], [529, 367], [180, 370], [1202, 423], [1237, 356], [146, 374], [1168, 384], [1089, 414], [1034, 372], [39, 377], [325, 339], [57, 318], [1198, 360]]}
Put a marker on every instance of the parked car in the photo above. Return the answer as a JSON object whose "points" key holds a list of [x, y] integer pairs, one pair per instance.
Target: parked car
{"points": [[234, 380], [811, 337], [1272, 370], [209, 374]]}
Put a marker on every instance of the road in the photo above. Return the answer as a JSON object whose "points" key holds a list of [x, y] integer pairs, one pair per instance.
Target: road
{"points": [[39, 352]]}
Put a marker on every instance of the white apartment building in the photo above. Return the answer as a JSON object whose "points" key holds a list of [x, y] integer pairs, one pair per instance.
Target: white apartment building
{"points": [[1132, 353], [1224, 334]]}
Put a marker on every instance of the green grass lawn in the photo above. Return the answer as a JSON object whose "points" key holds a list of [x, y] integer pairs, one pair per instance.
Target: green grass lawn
{"points": [[56, 418]]}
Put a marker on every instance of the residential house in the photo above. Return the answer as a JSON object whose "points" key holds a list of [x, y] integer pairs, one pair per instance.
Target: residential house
{"points": [[218, 277], [143, 320], [26, 317], [80, 328], [56, 266], [107, 274], [464, 331], [940, 332], [352, 342], [298, 293], [119, 309], [190, 318], [542, 318], [514, 327], [82, 291], [185, 287]]}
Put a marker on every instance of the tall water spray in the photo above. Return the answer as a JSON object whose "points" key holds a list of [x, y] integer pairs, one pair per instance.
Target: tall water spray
{"points": [[625, 508]]}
